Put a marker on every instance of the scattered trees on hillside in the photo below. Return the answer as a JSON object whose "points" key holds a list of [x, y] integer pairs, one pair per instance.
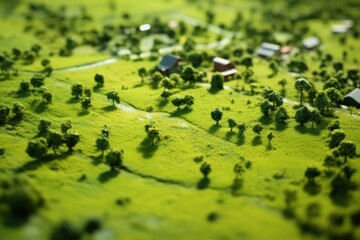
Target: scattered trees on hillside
{"points": [[336, 137], [241, 128], [54, 140]]}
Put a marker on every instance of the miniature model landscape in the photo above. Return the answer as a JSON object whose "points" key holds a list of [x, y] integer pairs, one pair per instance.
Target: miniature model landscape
{"points": [[179, 119]]}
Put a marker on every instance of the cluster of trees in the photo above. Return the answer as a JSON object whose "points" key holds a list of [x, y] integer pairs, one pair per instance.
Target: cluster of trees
{"points": [[102, 142], [17, 108], [38, 147], [187, 100], [271, 102]]}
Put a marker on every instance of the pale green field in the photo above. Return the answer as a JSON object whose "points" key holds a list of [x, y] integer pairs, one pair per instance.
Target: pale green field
{"points": [[161, 181]]}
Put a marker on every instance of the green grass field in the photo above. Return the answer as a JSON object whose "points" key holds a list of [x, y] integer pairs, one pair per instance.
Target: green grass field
{"points": [[160, 192]]}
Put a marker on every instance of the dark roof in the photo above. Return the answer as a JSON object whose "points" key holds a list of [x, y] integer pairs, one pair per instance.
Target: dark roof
{"points": [[353, 98], [168, 61]]}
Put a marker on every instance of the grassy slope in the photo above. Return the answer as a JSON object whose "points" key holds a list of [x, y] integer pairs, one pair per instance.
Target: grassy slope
{"points": [[184, 136]]}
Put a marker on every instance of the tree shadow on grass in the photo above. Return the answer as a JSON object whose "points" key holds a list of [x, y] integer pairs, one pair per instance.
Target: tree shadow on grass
{"points": [[162, 103], [214, 128], [15, 222], [181, 111], [256, 140], [214, 91], [41, 107], [312, 188], [281, 126], [96, 160], [241, 140], [73, 100], [203, 183], [147, 148], [22, 94], [108, 175], [83, 113], [14, 121], [340, 198], [35, 164], [229, 134], [109, 108], [266, 120], [305, 130]]}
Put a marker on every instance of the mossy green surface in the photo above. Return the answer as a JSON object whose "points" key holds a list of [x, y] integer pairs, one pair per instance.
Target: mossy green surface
{"points": [[161, 193]]}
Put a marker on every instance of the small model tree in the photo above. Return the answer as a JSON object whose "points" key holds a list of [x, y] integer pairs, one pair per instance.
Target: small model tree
{"points": [[241, 127], [24, 86], [105, 131], [270, 136], [322, 102], [188, 101], [247, 62], [71, 139], [188, 74], [347, 149], [102, 143], [77, 90], [47, 97], [87, 92], [43, 126], [153, 133], [276, 99], [37, 80], [4, 112], [302, 115], [281, 115], [113, 95], [66, 126], [257, 128], [177, 102], [315, 117], [265, 107], [165, 94], [302, 84], [216, 115], [156, 77], [37, 148], [217, 81], [232, 123], [19, 110], [99, 79], [334, 124], [336, 137], [142, 73], [85, 103], [205, 169], [168, 83], [115, 159], [54, 140]]}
